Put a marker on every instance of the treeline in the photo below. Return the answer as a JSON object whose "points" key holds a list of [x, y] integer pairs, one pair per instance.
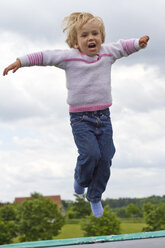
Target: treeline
{"points": [[124, 208], [139, 202], [122, 205]]}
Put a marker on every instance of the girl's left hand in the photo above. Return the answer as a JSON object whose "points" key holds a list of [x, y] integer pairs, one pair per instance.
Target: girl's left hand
{"points": [[143, 41]]}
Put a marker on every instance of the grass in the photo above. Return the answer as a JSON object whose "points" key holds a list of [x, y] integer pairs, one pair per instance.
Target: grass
{"points": [[127, 227], [70, 231], [74, 230]]}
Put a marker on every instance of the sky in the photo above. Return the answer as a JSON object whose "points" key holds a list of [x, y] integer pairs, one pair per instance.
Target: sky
{"points": [[37, 150]]}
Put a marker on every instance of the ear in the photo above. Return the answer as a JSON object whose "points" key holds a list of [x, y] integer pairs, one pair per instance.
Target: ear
{"points": [[76, 46]]}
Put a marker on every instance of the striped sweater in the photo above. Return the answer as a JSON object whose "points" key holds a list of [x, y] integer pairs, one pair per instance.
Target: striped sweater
{"points": [[88, 79]]}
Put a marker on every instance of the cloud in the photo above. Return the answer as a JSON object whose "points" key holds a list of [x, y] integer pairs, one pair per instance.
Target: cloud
{"points": [[42, 161], [17, 103], [142, 182], [32, 91], [139, 88], [138, 114], [34, 21]]}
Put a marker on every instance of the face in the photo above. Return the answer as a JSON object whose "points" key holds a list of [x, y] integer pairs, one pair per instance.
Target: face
{"points": [[89, 38]]}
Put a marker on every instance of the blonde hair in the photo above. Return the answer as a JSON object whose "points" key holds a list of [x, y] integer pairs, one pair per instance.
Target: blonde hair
{"points": [[77, 20]]}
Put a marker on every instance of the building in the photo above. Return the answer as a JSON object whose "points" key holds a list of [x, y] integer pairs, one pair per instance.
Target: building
{"points": [[55, 198]]}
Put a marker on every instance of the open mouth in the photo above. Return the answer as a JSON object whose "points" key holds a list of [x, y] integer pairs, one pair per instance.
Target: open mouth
{"points": [[92, 45]]}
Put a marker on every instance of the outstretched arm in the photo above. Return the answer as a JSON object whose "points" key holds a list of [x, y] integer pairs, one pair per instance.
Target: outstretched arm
{"points": [[143, 41], [14, 66]]}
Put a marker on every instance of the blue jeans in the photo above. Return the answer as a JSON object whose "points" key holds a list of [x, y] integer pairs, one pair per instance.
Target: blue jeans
{"points": [[92, 133]]}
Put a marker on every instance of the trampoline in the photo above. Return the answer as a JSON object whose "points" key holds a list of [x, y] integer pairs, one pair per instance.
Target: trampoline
{"points": [[133, 240]]}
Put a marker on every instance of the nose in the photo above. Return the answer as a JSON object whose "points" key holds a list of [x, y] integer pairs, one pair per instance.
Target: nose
{"points": [[90, 37]]}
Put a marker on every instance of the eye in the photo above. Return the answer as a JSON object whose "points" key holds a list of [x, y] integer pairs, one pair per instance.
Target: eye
{"points": [[95, 33], [84, 35]]}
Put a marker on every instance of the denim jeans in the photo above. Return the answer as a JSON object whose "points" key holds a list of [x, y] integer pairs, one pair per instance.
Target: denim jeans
{"points": [[93, 133]]}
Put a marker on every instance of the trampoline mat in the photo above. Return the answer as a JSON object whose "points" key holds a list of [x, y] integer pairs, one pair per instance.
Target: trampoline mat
{"points": [[140, 243]]}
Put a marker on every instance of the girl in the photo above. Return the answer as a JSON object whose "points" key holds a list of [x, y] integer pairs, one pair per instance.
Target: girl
{"points": [[87, 65]]}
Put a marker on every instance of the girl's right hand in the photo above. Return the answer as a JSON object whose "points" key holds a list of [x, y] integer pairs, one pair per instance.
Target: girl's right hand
{"points": [[14, 66]]}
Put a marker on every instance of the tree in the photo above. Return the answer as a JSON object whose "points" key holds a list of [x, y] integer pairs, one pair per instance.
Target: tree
{"points": [[39, 218], [105, 225], [8, 228], [121, 212], [66, 204], [132, 210], [8, 212], [7, 232], [154, 216], [80, 208]]}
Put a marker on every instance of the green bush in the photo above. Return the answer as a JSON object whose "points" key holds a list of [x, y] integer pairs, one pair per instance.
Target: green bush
{"points": [[105, 225], [154, 216]]}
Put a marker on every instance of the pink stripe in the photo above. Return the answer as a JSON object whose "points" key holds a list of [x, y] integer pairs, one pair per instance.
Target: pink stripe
{"points": [[35, 58], [106, 54], [89, 107], [86, 61], [129, 46]]}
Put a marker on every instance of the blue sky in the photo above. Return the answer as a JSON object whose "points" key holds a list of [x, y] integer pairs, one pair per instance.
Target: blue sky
{"points": [[37, 151]]}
